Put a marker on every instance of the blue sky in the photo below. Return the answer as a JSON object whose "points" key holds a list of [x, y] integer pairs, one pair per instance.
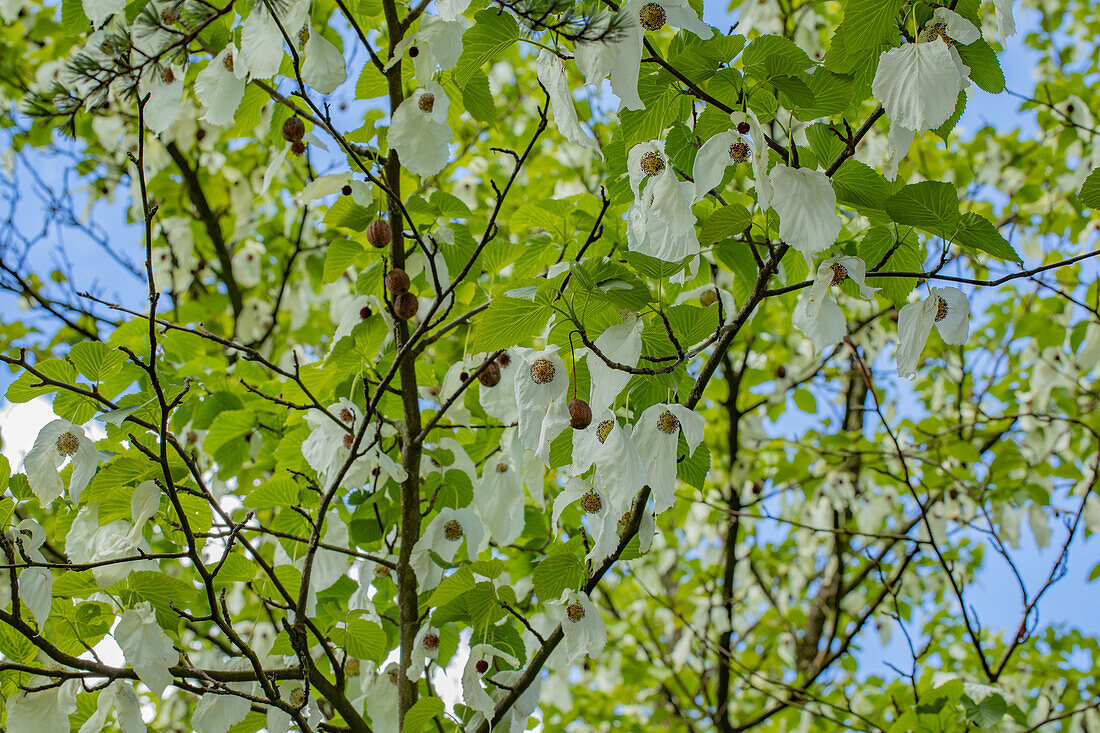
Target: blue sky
{"points": [[993, 596]]}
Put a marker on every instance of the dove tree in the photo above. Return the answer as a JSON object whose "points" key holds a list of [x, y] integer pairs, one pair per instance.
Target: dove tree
{"points": [[491, 364]]}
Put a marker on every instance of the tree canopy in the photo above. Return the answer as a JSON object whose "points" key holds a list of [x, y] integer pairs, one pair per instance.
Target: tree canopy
{"points": [[484, 364]]}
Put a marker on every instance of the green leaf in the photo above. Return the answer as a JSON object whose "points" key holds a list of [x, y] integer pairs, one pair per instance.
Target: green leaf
{"points": [[492, 33], [365, 639], [453, 586], [985, 69], [275, 494], [867, 24], [944, 130], [610, 282], [422, 711], [1090, 191], [726, 221], [508, 322], [879, 249], [560, 571], [96, 360], [73, 19], [347, 214], [858, 185], [930, 205], [478, 100], [339, 256], [768, 55], [988, 712], [978, 232]]}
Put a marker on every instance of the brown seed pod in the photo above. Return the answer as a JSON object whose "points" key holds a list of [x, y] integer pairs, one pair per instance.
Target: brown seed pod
{"points": [[743, 127], [405, 305], [781, 372], [298, 147], [490, 377], [482, 667], [293, 129], [580, 414], [397, 280], [708, 298], [378, 233], [346, 190]]}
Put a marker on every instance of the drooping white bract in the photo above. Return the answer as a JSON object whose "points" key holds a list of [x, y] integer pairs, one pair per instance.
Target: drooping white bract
{"points": [[621, 59], [817, 315], [541, 386], [255, 319], [323, 68], [656, 435], [1006, 23], [442, 536], [438, 44], [247, 262], [329, 445], [551, 72], [88, 542], [610, 448], [380, 695], [99, 10], [730, 148], [146, 647], [947, 309], [454, 387], [118, 696], [621, 344], [219, 713], [598, 511], [498, 497], [919, 83], [357, 311], [419, 131], [262, 41], [806, 204], [165, 90], [499, 401], [57, 441], [582, 624], [474, 694], [220, 88], [35, 584], [425, 646], [451, 9], [44, 710], [659, 221], [516, 718]]}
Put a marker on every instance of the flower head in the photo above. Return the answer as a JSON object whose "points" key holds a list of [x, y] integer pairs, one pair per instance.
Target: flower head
{"points": [[598, 511], [947, 309], [541, 387], [443, 536], [419, 131], [60, 441], [582, 624], [425, 646], [220, 88], [656, 435], [730, 148], [817, 314], [478, 666]]}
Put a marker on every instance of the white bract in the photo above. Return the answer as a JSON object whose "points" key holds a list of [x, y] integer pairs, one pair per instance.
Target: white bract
{"points": [[438, 44], [220, 88], [1006, 23], [621, 59], [35, 584], [165, 90], [806, 204], [146, 647], [262, 41], [45, 710], [120, 697], [88, 542], [947, 309], [621, 344], [659, 221], [498, 497], [919, 83], [541, 387], [582, 624], [473, 689], [425, 646], [323, 67], [656, 435], [499, 401], [329, 445], [58, 441], [730, 148], [610, 448], [99, 10], [817, 315], [247, 262], [419, 131], [598, 511], [551, 72], [443, 536]]}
